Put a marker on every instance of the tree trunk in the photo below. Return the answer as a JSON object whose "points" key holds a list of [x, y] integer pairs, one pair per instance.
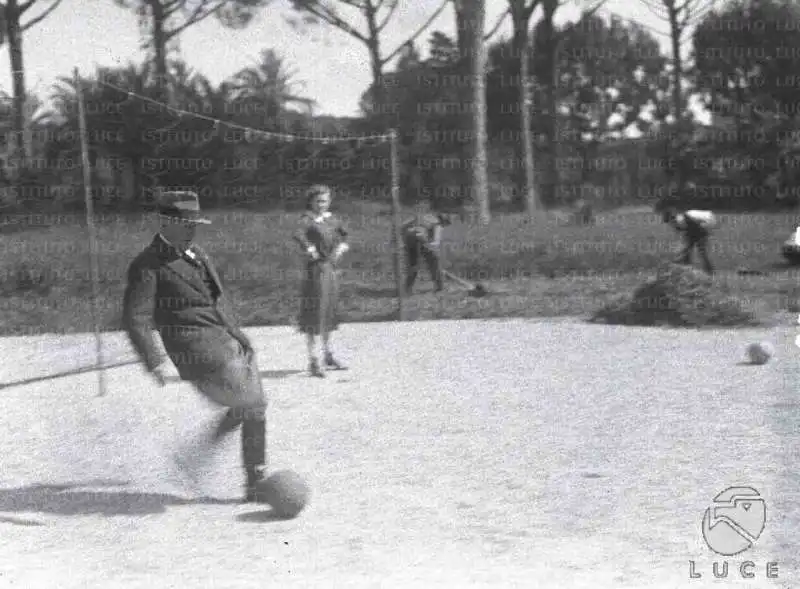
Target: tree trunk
{"points": [[677, 62], [677, 69], [548, 110], [159, 41], [462, 24], [379, 98], [17, 159], [525, 196], [479, 160]]}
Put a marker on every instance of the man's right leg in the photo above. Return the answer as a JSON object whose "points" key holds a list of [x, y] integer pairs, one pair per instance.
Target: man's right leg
{"points": [[434, 267], [412, 256]]}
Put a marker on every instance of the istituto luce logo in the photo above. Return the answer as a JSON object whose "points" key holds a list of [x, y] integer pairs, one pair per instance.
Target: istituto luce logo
{"points": [[735, 521], [731, 526]]}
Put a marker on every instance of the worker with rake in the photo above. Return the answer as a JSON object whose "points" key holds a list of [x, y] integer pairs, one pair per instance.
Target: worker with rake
{"points": [[422, 237], [696, 226]]}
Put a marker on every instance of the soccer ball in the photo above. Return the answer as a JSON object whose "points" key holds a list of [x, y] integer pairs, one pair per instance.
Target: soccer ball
{"points": [[760, 353], [285, 491]]}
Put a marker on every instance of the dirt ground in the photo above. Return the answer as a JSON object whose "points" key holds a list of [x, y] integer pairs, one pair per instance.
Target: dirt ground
{"points": [[451, 454]]}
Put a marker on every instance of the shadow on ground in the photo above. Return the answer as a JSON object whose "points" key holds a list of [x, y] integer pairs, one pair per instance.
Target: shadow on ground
{"points": [[73, 498], [276, 374], [257, 517], [376, 292]]}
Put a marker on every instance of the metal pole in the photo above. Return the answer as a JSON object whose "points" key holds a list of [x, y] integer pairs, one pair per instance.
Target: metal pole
{"points": [[398, 243], [93, 251]]}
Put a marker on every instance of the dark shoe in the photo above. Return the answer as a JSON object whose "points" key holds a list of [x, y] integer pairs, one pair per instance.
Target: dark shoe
{"points": [[254, 476], [314, 369], [331, 362]]}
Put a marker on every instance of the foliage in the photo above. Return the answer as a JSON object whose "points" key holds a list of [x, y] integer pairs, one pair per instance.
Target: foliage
{"points": [[548, 271], [747, 55]]}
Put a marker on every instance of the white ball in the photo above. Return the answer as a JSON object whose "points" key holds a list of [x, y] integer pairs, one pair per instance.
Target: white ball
{"points": [[760, 353]]}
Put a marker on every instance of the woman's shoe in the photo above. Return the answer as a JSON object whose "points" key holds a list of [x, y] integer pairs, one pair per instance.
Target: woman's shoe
{"points": [[314, 369], [331, 362]]}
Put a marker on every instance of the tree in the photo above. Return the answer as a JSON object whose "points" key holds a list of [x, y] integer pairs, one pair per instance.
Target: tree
{"points": [[376, 15], [474, 12], [751, 91], [680, 15], [124, 129], [164, 20], [12, 13], [521, 13], [610, 73], [431, 123], [268, 87]]}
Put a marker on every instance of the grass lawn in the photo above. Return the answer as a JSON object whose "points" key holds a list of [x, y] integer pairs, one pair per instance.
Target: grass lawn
{"points": [[532, 270]]}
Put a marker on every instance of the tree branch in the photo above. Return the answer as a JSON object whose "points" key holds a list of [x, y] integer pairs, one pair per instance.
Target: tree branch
{"points": [[332, 19], [392, 9], [196, 16], [421, 30], [170, 8], [42, 16], [25, 6], [496, 26], [591, 12], [528, 10]]}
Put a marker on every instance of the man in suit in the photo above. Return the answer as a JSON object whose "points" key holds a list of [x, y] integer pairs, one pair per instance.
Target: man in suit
{"points": [[422, 237], [174, 289]]}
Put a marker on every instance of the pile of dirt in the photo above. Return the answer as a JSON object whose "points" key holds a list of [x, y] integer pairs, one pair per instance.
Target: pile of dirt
{"points": [[679, 296]]}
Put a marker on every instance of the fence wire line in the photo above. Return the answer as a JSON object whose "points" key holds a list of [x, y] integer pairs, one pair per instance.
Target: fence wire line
{"points": [[257, 132]]}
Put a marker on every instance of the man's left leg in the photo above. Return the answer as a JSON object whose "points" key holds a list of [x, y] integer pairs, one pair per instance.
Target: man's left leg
{"points": [[254, 427], [434, 267], [254, 448], [702, 248]]}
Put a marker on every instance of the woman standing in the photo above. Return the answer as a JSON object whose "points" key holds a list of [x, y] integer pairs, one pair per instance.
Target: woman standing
{"points": [[324, 241]]}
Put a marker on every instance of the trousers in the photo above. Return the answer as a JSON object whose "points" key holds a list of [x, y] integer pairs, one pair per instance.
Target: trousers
{"points": [[416, 250], [237, 386], [701, 243], [254, 433]]}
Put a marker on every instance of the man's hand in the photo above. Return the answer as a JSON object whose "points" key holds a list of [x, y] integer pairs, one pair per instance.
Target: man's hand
{"points": [[313, 253], [340, 251]]}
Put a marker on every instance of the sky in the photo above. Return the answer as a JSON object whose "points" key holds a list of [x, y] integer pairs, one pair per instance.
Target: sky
{"points": [[333, 67]]}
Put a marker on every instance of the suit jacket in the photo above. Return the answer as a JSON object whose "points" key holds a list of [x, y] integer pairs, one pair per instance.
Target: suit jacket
{"points": [[168, 294]]}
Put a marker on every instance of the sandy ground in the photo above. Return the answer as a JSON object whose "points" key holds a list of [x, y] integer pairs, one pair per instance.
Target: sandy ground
{"points": [[452, 454]]}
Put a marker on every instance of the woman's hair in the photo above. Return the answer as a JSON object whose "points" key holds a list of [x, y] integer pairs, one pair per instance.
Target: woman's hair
{"points": [[313, 192]]}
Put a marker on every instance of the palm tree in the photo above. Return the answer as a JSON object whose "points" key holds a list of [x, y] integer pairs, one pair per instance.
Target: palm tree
{"points": [[120, 126], [269, 87], [199, 95]]}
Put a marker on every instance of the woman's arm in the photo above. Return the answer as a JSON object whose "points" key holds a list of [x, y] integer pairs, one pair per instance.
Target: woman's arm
{"points": [[301, 237], [343, 246]]}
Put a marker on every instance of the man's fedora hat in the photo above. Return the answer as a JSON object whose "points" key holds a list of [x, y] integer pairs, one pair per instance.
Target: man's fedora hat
{"points": [[184, 205]]}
